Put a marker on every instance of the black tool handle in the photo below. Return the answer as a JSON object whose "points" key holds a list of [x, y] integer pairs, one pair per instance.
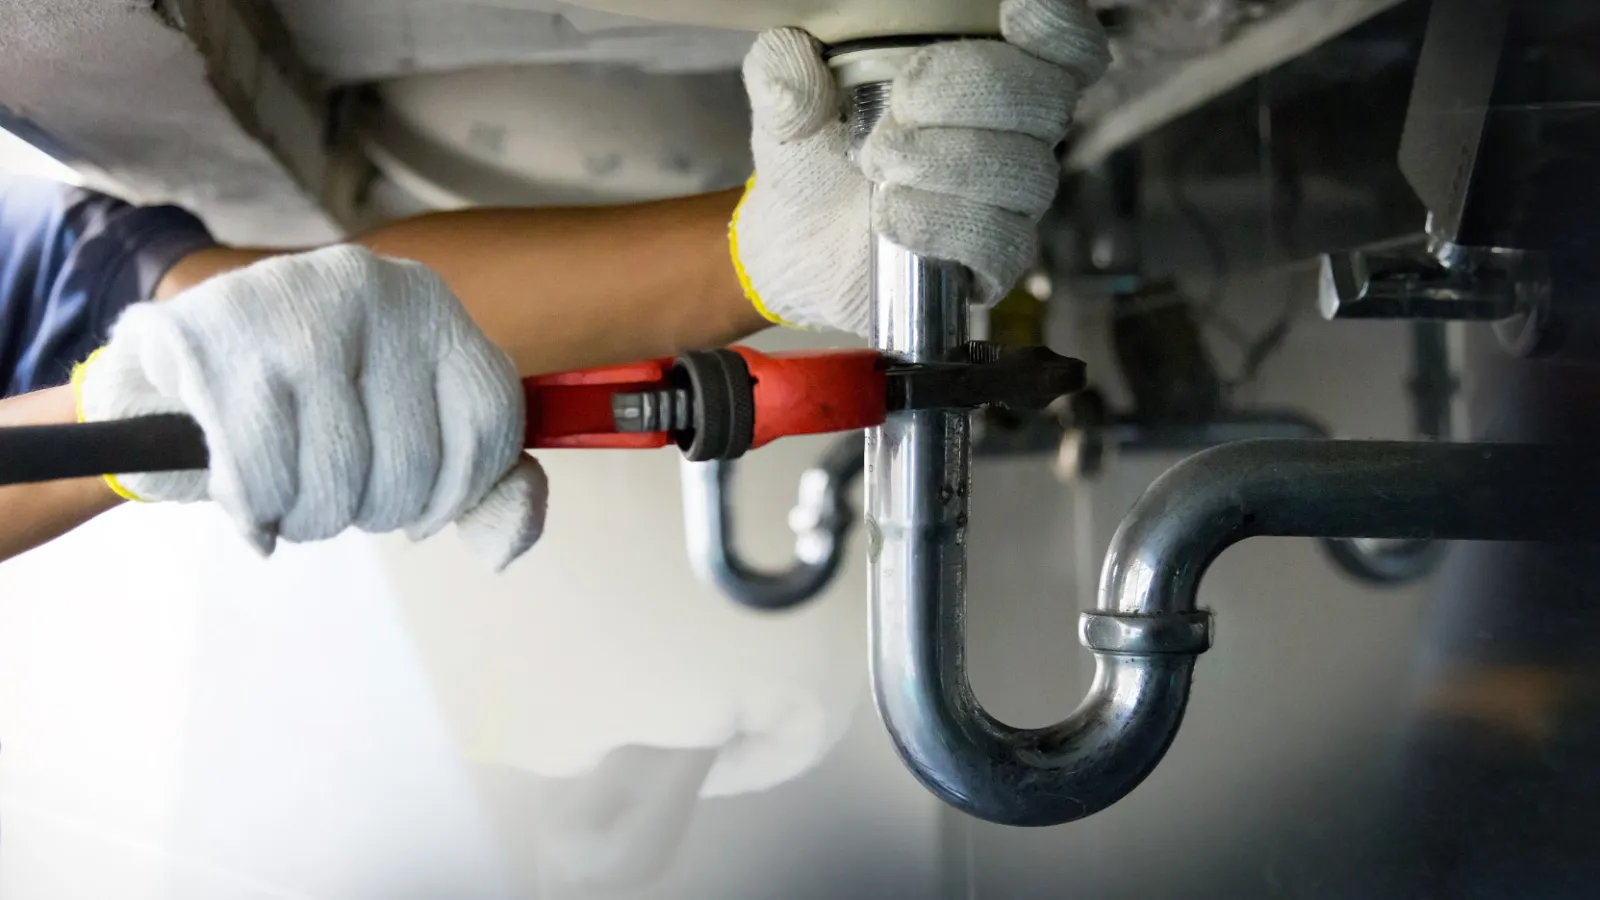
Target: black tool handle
{"points": [[165, 443]]}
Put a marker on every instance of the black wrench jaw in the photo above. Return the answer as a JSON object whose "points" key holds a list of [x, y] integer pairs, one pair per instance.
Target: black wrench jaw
{"points": [[1022, 379]]}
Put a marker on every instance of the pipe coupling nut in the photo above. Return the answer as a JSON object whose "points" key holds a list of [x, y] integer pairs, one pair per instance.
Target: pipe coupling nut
{"points": [[1146, 634]]}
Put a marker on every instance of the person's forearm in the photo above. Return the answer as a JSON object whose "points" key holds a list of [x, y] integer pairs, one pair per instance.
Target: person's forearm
{"points": [[569, 288], [36, 513], [556, 288]]}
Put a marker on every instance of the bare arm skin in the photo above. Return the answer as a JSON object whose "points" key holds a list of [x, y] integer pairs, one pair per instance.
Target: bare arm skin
{"points": [[558, 289], [572, 288]]}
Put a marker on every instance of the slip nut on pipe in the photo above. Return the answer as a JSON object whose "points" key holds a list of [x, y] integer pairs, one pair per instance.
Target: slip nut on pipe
{"points": [[1146, 635]]}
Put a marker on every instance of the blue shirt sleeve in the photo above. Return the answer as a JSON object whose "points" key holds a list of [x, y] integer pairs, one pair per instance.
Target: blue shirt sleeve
{"points": [[71, 261]]}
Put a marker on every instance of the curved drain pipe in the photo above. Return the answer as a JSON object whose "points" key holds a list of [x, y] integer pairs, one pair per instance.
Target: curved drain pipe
{"points": [[822, 520], [1146, 629]]}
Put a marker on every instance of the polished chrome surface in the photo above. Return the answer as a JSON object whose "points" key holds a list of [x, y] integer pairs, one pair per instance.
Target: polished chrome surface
{"points": [[821, 521], [1112, 633], [918, 476], [869, 102], [1413, 284], [1349, 489], [1146, 622], [1146, 630]]}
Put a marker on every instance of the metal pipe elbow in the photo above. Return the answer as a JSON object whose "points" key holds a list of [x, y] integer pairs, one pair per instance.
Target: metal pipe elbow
{"points": [[821, 520], [1144, 665], [1145, 633], [1045, 776], [1146, 629]]}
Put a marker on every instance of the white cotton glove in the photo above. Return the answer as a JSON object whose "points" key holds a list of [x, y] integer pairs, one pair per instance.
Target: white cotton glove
{"points": [[965, 157], [335, 389]]}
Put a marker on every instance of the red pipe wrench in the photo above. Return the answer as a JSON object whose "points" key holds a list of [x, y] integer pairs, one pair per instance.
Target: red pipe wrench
{"points": [[711, 404]]}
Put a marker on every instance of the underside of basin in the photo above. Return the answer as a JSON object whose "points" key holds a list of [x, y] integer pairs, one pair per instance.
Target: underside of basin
{"points": [[831, 20]]}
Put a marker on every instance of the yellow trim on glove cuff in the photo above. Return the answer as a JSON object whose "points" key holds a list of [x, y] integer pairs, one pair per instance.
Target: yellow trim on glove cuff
{"points": [[78, 371], [738, 264]]}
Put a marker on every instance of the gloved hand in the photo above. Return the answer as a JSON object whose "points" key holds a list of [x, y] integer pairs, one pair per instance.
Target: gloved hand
{"points": [[965, 156], [335, 389]]}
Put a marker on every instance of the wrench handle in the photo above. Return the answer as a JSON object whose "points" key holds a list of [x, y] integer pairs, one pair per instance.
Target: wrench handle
{"points": [[164, 443]]}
